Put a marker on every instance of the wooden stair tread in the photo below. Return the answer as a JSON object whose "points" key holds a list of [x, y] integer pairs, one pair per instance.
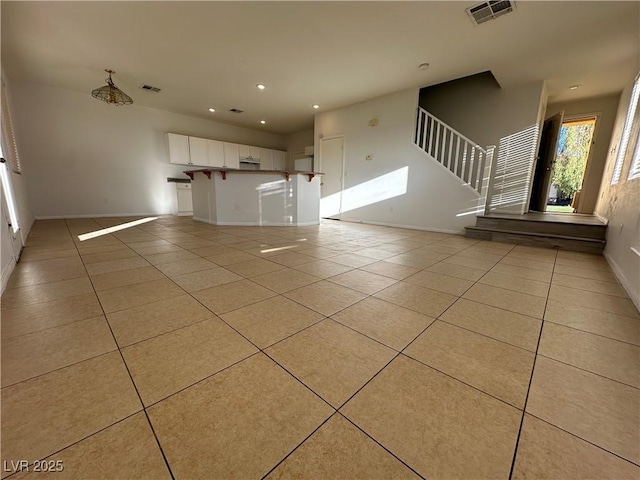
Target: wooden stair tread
{"points": [[535, 234], [532, 219]]}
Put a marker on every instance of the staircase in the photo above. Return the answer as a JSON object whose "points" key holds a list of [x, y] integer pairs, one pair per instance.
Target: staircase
{"points": [[472, 163], [578, 233], [460, 156]]}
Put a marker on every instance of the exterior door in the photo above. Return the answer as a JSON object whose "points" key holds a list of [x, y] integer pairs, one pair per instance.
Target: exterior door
{"points": [[332, 165], [546, 160]]}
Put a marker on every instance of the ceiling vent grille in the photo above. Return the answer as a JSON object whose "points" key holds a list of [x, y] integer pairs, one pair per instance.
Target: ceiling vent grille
{"points": [[236, 110], [490, 10], [149, 88]]}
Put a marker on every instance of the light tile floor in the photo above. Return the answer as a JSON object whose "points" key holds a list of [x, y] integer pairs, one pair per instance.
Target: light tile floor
{"points": [[342, 351]]}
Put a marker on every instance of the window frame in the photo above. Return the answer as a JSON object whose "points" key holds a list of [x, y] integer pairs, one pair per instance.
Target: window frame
{"points": [[629, 131]]}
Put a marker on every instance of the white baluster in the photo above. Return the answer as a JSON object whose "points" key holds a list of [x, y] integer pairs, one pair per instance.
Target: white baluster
{"points": [[437, 146], [450, 148], [431, 136]]}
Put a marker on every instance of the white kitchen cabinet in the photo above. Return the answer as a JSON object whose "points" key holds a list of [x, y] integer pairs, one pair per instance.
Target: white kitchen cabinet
{"points": [[231, 155], [279, 159], [248, 151], [266, 159], [198, 151], [243, 151], [215, 153], [179, 149]]}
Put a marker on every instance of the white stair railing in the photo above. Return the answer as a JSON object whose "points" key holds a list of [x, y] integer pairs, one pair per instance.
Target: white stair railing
{"points": [[464, 158]]}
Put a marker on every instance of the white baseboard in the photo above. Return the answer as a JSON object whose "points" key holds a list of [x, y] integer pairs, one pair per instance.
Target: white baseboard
{"points": [[633, 295], [253, 224], [99, 215], [409, 227], [6, 273]]}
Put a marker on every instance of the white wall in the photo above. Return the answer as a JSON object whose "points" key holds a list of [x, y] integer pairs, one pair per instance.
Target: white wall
{"points": [[296, 143], [606, 107], [83, 157], [434, 200], [478, 108], [620, 204]]}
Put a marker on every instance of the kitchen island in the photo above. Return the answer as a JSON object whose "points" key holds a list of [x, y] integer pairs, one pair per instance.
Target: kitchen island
{"points": [[223, 196]]}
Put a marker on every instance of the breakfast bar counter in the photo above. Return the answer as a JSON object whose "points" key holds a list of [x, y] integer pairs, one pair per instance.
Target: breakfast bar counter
{"points": [[224, 196]]}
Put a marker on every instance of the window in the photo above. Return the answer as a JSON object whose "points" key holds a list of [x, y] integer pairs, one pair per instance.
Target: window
{"points": [[626, 132], [9, 149]]}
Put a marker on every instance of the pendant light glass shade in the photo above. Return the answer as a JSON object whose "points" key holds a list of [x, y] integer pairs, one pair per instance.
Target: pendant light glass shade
{"points": [[111, 94]]}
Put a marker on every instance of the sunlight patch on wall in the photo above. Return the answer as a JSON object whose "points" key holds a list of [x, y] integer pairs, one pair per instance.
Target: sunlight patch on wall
{"points": [[122, 226], [384, 187]]}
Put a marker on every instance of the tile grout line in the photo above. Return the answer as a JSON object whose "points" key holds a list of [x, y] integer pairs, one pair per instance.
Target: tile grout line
{"points": [[588, 371], [78, 441], [380, 444], [583, 439], [533, 368], [460, 381], [297, 446], [133, 383], [485, 335], [595, 334]]}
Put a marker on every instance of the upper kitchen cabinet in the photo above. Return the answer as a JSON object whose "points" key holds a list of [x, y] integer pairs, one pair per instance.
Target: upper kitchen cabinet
{"points": [[215, 153], [248, 151], [198, 150], [279, 162], [179, 149], [266, 159], [231, 155]]}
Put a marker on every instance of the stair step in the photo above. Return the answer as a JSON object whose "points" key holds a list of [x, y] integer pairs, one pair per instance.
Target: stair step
{"points": [[527, 225], [536, 239]]}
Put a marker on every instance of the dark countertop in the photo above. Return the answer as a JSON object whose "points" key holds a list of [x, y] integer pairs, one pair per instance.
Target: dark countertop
{"points": [[226, 171], [240, 170], [178, 180]]}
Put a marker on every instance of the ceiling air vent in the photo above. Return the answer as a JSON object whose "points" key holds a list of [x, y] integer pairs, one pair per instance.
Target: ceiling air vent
{"points": [[236, 110], [490, 10], [149, 88]]}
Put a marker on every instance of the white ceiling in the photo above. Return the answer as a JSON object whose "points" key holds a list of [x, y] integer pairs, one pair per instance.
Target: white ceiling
{"points": [[212, 54]]}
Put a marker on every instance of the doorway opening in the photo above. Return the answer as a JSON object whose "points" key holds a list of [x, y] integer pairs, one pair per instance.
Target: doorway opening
{"points": [[572, 154], [565, 150]]}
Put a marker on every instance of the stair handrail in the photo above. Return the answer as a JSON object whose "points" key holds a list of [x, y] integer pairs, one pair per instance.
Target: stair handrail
{"points": [[471, 162], [453, 130]]}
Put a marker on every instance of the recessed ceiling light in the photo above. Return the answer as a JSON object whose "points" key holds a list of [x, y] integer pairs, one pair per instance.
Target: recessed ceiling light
{"points": [[261, 86], [316, 106], [263, 121], [574, 87], [212, 110], [423, 66]]}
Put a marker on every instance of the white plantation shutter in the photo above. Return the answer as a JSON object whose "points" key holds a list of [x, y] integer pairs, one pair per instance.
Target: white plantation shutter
{"points": [[9, 148], [626, 131], [513, 172], [634, 170]]}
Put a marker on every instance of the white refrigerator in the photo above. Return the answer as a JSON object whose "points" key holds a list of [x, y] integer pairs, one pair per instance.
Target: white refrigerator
{"points": [[304, 164]]}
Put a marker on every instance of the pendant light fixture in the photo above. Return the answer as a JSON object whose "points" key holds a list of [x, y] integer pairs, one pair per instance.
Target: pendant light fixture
{"points": [[111, 94]]}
